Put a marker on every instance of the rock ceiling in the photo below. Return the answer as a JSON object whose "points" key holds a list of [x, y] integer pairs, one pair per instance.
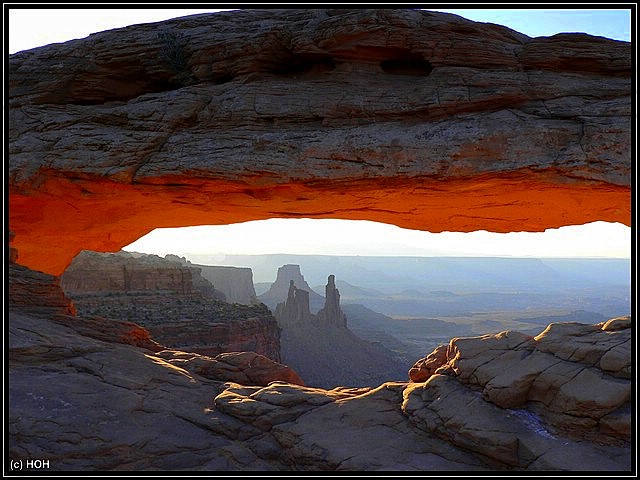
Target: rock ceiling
{"points": [[421, 119]]}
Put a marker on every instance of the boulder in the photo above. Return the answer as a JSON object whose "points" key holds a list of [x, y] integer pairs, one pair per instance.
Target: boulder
{"points": [[246, 368]]}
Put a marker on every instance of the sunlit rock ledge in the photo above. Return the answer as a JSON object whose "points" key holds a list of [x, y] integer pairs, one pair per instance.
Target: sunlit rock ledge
{"points": [[89, 397]]}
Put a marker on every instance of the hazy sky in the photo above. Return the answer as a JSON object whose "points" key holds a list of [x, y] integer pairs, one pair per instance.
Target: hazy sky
{"points": [[343, 237], [32, 27]]}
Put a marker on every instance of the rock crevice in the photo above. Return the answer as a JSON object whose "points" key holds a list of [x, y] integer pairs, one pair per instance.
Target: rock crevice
{"points": [[573, 375], [114, 403]]}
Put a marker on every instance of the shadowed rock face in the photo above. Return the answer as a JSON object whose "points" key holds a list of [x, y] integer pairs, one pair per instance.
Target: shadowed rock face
{"points": [[322, 349], [416, 118], [234, 282], [97, 395], [171, 299], [280, 290], [295, 311], [331, 313]]}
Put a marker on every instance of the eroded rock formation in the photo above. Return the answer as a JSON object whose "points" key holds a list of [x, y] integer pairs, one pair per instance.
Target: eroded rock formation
{"points": [[37, 292], [323, 350], [281, 289], [246, 368], [577, 377], [421, 119], [126, 272], [294, 311], [87, 401], [235, 283], [170, 299], [331, 313]]}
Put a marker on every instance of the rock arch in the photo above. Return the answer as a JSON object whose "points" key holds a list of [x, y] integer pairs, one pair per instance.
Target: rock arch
{"points": [[421, 119]]}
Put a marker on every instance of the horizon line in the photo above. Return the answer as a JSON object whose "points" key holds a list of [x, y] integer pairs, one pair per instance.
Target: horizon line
{"points": [[401, 255]]}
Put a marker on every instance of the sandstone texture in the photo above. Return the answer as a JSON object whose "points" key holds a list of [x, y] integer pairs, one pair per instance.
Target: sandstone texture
{"points": [[171, 300], [577, 377], [37, 292], [246, 368], [416, 118], [88, 402]]}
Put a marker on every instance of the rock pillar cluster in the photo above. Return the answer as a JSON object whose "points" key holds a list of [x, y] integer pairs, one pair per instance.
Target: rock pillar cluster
{"points": [[295, 310]]}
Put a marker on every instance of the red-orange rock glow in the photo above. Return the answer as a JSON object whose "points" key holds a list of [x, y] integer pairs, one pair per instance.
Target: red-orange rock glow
{"points": [[419, 119], [63, 217]]}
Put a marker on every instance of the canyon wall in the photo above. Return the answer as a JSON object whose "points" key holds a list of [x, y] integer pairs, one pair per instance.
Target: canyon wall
{"points": [[92, 398], [122, 272], [171, 299], [235, 283], [421, 119]]}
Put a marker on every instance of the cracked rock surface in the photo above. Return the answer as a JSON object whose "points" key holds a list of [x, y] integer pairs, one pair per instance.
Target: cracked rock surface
{"points": [[92, 402], [421, 119], [575, 376]]}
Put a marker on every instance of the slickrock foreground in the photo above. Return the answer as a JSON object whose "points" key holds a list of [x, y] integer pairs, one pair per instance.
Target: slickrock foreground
{"points": [[572, 379], [416, 118], [420, 119], [87, 401]]}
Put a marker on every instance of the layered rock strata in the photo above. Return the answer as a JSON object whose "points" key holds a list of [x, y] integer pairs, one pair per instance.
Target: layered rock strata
{"points": [[207, 327], [37, 292], [126, 272], [235, 283], [171, 300], [421, 119], [576, 377], [246, 368]]}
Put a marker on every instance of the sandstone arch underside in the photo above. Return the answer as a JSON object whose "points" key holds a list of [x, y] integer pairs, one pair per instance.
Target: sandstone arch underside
{"points": [[421, 119]]}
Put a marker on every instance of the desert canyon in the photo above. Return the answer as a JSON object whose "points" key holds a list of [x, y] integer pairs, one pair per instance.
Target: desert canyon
{"points": [[120, 361]]}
